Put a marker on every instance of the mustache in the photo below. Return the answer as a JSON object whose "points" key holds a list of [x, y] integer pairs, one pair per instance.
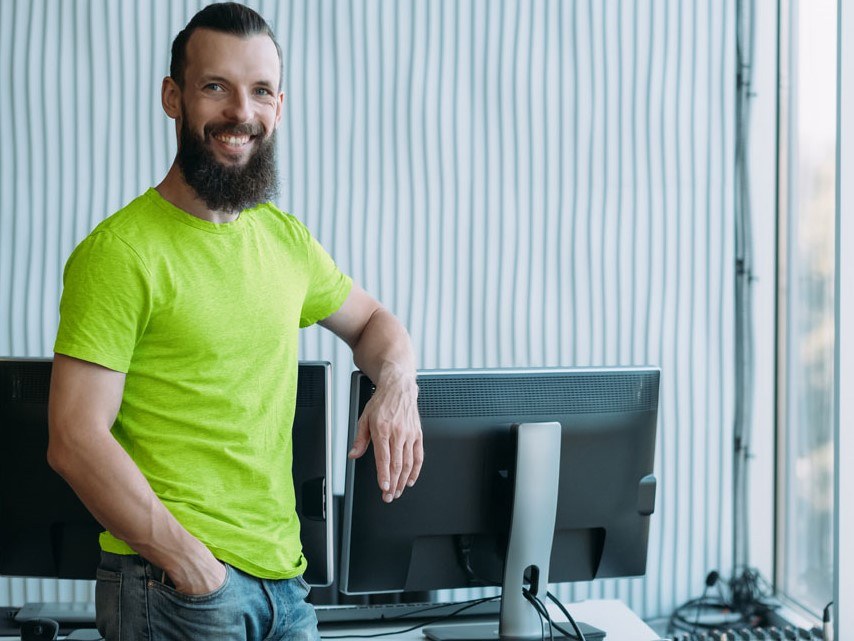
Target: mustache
{"points": [[239, 129]]}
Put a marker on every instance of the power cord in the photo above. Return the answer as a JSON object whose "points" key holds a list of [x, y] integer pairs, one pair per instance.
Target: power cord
{"points": [[827, 622], [568, 616], [543, 613], [465, 605], [536, 602]]}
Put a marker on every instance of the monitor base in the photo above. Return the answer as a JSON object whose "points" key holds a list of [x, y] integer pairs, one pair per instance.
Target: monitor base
{"points": [[489, 632], [79, 614]]}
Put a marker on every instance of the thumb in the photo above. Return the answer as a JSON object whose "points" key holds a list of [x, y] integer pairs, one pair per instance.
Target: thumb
{"points": [[361, 440]]}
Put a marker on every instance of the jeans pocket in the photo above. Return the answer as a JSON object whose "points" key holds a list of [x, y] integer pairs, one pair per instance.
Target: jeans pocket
{"points": [[191, 599], [304, 584], [108, 611], [175, 616]]}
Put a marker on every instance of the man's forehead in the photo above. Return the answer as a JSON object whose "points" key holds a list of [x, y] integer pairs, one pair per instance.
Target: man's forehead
{"points": [[216, 53]]}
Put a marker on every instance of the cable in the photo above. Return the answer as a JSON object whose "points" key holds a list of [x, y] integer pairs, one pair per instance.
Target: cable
{"points": [[465, 606], [745, 24], [702, 598], [543, 613], [463, 549], [569, 617], [827, 623], [746, 605]]}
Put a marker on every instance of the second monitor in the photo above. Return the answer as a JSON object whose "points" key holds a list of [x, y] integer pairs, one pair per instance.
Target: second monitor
{"points": [[45, 531], [452, 529]]}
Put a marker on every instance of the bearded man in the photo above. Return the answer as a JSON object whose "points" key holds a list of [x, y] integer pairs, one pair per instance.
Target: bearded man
{"points": [[174, 379]]}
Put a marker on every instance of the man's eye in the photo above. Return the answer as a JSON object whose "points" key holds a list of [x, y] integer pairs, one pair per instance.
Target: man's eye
{"points": [[261, 91], [213, 86]]}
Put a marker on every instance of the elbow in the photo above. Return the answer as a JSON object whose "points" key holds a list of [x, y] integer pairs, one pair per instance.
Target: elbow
{"points": [[57, 456], [61, 450]]}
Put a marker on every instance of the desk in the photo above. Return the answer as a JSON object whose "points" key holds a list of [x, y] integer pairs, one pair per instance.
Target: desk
{"points": [[612, 616], [618, 621]]}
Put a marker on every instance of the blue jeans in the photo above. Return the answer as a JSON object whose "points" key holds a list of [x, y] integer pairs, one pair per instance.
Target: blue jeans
{"points": [[135, 601]]}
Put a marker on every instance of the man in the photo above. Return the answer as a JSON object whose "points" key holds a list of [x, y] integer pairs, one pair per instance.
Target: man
{"points": [[174, 379]]}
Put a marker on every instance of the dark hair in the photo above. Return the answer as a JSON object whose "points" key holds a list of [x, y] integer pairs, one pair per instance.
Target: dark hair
{"points": [[225, 17]]}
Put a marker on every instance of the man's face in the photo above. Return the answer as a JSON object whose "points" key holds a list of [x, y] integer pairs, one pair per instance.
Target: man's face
{"points": [[228, 111]]}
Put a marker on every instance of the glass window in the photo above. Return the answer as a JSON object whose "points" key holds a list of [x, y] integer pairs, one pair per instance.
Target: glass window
{"points": [[805, 521]]}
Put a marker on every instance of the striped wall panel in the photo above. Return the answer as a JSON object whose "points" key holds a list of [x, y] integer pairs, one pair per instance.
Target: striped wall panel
{"points": [[523, 182]]}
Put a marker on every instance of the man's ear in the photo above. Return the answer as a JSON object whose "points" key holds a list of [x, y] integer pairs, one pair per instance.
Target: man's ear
{"points": [[280, 102], [170, 98]]}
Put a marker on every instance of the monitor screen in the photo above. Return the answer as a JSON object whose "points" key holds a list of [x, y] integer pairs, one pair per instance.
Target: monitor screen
{"points": [[451, 529], [45, 531]]}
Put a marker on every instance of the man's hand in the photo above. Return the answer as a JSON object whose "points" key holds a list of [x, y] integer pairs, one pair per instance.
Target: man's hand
{"points": [[390, 421], [200, 574]]}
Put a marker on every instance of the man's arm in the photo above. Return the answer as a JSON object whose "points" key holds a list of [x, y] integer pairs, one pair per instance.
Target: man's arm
{"points": [[84, 401], [382, 349]]}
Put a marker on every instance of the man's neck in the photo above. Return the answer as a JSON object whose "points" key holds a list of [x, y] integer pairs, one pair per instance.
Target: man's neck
{"points": [[174, 189]]}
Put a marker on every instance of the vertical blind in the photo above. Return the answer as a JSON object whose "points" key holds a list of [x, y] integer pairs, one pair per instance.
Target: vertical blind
{"points": [[523, 182]]}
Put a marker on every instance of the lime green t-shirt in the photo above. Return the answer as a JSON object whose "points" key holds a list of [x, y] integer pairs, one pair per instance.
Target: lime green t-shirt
{"points": [[203, 318]]}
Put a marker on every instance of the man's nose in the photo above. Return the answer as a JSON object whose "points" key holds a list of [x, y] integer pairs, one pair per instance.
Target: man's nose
{"points": [[239, 107]]}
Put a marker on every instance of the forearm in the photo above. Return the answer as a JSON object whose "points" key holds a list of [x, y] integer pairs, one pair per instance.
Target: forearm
{"points": [[111, 486], [384, 350], [84, 402]]}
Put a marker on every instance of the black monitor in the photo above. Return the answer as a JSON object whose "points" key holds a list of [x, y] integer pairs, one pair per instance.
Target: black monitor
{"points": [[528, 474], [45, 531]]}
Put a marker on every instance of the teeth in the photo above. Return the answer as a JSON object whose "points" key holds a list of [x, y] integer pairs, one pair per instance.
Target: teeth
{"points": [[233, 140]]}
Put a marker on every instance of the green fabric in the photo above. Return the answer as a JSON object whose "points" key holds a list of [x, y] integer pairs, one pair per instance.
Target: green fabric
{"points": [[203, 318]]}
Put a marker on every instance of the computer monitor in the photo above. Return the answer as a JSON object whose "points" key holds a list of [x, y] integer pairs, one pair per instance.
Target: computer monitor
{"points": [[45, 531], [549, 471]]}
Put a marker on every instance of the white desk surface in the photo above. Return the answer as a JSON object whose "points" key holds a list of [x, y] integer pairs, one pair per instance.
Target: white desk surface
{"points": [[612, 616]]}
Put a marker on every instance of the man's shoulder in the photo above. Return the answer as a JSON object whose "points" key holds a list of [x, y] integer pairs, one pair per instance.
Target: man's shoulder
{"points": [[138, 212], [121, 234]]}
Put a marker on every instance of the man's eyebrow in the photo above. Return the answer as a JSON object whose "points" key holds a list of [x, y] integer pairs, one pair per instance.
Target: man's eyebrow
{"points": [[261, 82], [208, 78]]}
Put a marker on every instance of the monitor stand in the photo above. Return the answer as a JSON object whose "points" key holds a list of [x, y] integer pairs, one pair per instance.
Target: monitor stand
{"points": [[529, 546]]}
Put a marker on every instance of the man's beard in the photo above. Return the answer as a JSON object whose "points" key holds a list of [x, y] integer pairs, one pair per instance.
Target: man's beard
{"points": [[224, 187]]}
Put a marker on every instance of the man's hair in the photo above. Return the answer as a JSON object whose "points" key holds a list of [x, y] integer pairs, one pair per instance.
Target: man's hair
{"points": [[225, 17]]}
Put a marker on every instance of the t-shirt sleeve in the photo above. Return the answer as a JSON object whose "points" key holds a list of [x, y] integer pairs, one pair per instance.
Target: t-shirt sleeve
{"points": [[328, 286], [105, 304]]}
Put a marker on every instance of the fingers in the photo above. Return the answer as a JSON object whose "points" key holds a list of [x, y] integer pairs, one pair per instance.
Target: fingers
{"points": [[399, 456], [399, 462], [388, 453], [382, 454], [397, 468], [405, 467], [412, 458], [417, 459]]}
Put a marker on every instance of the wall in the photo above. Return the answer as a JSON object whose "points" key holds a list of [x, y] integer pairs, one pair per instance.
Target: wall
{"points": [[526, 183]]}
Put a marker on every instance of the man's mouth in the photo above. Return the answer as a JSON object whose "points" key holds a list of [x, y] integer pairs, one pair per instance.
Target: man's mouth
{"points": [[235, 137], [233, 140]]}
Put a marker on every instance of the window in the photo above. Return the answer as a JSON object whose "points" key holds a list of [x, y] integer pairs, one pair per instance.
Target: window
{"points": [[805, 387]]}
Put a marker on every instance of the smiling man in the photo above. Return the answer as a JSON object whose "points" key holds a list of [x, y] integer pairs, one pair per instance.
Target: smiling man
{"points": [[174, 379]]}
